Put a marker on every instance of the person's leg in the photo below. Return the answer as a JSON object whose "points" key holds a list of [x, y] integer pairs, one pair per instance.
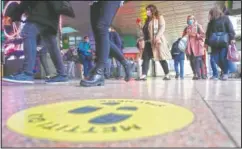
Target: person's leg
{"points": [[55, 54], [176, 62], [224, 63], [139, 69], [90, 65], [214, 66], [119, 56], [102, 14], [182, 69], [118, 69], [146, 61], [107, 72], [192, 62], [29, 35], [202, 70], [44, 62], [68, 68], [165, 67], [198, 60], [112, 68], [73, 72], [85, 65], [101, 20]]}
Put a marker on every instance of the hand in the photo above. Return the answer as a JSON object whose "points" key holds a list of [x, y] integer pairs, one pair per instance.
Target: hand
{"points": [[139, 24], [206, 46], [232, 42]]}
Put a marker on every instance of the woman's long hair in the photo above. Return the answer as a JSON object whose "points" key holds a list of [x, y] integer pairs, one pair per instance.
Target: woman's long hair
{"points": [[154, 11], [215, 13]]}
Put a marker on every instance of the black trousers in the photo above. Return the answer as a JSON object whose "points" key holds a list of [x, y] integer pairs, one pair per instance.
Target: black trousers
{"points": [[147, 55], [102, 14]]}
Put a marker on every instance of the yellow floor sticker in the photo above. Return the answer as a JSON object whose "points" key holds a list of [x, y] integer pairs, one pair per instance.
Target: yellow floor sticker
{"points": [[100, 120]]}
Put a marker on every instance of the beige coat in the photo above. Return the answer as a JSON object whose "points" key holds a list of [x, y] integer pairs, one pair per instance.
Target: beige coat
{"points": [[160, 49]]}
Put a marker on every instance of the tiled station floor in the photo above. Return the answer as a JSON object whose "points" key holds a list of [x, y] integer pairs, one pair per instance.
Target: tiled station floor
{"points": [[216, 106]]}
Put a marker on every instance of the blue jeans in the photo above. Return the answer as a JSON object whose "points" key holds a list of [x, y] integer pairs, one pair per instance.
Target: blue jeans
{"points": [[214, 66], [87, 64], [108, 65], [102, 14], [29, 33], [181, 63], [220, 57]]}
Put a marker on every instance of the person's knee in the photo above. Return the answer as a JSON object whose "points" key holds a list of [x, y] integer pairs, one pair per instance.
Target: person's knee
{"points": [[101, 27]]}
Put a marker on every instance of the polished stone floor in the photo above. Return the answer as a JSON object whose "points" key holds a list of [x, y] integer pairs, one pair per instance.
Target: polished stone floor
{"points": [[216, 105]]}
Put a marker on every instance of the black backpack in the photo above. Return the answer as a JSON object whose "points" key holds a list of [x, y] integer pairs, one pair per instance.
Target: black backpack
{"points": [[63, 8], [175, 50]]}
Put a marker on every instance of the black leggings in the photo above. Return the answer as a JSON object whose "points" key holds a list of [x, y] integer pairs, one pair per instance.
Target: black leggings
{"points": [[147, 55], [102, 14]]}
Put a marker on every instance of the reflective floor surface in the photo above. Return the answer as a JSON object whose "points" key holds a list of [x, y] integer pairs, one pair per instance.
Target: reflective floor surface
{"points": [[216, 106]]}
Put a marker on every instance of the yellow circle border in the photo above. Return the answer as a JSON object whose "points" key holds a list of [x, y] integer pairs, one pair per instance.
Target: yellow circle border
{"points": [[12, 126]]}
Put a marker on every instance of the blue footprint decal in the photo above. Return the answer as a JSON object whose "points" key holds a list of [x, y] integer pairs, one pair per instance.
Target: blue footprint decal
{"points": [[84, 110], [109, 118]]}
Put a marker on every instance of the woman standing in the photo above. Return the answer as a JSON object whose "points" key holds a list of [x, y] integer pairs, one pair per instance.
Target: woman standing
{"points": [[155, 42], [102, 14], [195, 45], [220, 23]]}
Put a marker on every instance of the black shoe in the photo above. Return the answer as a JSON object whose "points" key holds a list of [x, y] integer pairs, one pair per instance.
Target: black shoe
{"points": [[166, 78], [96, 79], [142, 78], [196, 78], [177, 76], [127, 69]]}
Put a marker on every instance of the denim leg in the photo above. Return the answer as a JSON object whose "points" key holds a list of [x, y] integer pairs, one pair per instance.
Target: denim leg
{"points": [[55, 54], [29, 34], [176, 63], [102, 14], [224, 61], [116, 52], [182, 68], [85, 65], [214, 65], [118, 68], [107, 68]]}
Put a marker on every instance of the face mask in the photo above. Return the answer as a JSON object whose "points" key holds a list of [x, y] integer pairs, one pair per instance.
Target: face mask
{"points": [[109, 29], [190, 22]]}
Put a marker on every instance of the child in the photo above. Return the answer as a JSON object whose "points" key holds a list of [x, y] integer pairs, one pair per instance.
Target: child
{"points": [[178, 56]]}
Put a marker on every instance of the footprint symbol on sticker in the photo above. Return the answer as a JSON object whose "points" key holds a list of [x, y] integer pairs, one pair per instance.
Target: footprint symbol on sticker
{"points": [[108, 118]]}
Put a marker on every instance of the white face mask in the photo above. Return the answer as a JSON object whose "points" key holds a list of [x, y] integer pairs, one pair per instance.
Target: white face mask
{"points": [[109, 29], [148, 13]]}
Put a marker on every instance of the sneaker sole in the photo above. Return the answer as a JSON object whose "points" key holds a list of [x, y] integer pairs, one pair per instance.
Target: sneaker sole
{"points": [[16, 81]]}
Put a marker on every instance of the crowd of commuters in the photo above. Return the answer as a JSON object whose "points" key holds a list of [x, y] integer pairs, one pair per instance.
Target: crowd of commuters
{"points": [[152, 44]]}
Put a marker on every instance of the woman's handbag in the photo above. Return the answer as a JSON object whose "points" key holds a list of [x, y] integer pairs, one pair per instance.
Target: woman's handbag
{"points": [[233, 55], [219, 39], [182, 45]]}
